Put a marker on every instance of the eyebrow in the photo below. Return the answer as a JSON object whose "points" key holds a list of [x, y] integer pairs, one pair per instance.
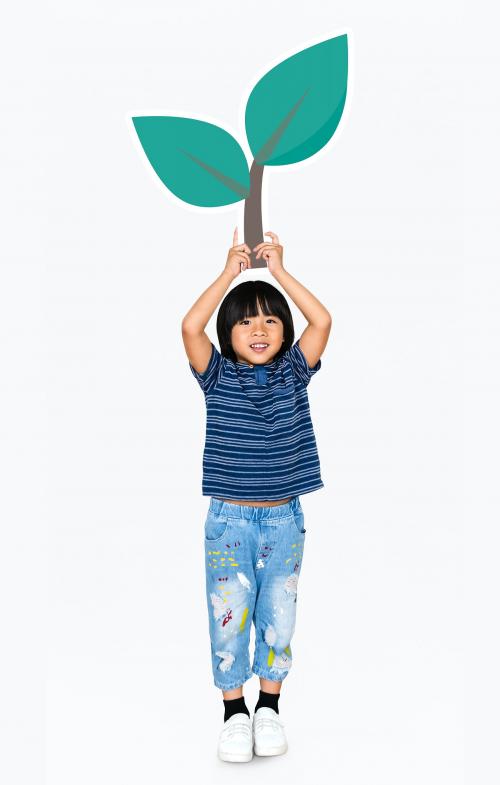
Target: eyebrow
{"points": [[267, 315]]}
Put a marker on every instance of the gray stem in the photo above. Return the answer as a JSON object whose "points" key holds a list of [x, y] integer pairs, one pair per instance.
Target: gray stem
{"points": [[253, 214]]}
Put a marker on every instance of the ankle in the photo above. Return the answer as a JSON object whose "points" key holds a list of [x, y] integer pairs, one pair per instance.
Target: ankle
{"points": [[269, 699], [234, 706]]}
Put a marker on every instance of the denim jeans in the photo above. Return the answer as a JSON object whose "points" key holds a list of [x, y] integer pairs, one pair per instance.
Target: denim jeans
{"points": [[253, 557]]}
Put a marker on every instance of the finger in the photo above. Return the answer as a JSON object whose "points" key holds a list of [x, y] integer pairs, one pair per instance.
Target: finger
{"points": [[239, 249], [274, 236], [242, 256], [260, 245], [244, 245], [235, 237], [266, 247]]}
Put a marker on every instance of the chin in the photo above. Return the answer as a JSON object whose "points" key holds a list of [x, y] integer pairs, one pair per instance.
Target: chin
{"points": [[259, 359]]}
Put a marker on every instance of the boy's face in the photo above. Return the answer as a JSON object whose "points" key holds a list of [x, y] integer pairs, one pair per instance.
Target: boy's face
{"points": [[260, 329]]}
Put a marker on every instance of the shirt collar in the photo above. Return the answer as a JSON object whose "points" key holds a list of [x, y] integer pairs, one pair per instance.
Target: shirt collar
{"points": [[258, 371], [245, 366]]}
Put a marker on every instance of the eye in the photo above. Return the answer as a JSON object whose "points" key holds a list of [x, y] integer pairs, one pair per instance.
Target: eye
{"points": [[245, 321]]}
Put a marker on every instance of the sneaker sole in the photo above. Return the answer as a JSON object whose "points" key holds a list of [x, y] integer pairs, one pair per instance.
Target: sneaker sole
{"points": [[270, 750], [236, 757]]}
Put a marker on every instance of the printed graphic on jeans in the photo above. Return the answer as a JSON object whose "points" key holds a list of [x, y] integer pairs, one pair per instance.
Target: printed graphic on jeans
{"points": [[257, 582]]}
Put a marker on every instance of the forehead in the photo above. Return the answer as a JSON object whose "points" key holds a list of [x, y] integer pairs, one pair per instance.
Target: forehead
{"points": [[260, 312]]}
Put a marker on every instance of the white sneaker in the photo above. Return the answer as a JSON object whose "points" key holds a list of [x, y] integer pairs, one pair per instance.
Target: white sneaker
{"points": [[235, 740], [268, 732]]}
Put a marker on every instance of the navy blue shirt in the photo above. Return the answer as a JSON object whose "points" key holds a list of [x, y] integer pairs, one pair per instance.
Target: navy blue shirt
{"points": [[260, 443]]}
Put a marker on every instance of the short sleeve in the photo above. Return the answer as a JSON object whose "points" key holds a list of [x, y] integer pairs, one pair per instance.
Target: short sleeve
{"points": [[208, 378], [299, 364]]}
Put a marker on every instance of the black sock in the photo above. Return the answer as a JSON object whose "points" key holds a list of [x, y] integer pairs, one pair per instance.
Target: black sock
{"points": [[268, 699], [234, 706]]}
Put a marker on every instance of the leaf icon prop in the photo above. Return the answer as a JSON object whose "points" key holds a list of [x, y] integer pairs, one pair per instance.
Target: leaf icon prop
{"points": [[199, 162], [291, 113]]}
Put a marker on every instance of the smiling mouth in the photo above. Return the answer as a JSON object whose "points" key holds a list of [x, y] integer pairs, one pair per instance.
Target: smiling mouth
{"points": [[259, 347]]}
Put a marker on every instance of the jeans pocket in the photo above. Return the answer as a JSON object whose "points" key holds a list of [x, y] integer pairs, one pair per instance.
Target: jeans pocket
{"points": [[298, 517], [215, 527]]}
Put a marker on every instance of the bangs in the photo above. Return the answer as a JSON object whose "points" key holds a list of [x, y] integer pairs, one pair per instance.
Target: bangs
{"points": [[247, 306], [243, 302]]}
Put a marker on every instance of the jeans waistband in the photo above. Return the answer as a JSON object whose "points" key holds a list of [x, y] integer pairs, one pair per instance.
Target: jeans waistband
{"points": [[220, 507]]}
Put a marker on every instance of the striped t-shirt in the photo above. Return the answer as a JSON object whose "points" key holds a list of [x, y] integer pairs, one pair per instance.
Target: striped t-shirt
{"points": [[260, 443]]}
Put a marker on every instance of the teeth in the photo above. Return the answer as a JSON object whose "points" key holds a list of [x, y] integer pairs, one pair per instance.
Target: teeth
{"points": [[259, 345]]}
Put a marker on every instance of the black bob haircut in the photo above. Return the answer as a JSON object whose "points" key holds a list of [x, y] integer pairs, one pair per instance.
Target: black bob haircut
{"points": [[241, 302]]}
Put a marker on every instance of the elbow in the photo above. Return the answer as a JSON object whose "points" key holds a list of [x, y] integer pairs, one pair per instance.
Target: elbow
{"points": [[188, 328], [325, 323]]}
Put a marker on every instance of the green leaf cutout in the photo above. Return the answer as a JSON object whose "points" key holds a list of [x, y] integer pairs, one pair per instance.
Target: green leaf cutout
{"points": [[199, 162], [293, 111]]}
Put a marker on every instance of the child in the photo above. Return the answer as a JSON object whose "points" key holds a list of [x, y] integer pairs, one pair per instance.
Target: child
{"points": [[260, 454]]}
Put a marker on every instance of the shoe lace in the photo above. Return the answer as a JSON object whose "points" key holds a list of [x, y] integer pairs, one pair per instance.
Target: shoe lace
{"points": [[272, 722], [237, 727]]}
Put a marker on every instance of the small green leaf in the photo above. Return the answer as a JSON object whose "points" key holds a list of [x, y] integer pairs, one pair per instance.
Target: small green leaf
{"points": [[199, 162], [294, 110]]}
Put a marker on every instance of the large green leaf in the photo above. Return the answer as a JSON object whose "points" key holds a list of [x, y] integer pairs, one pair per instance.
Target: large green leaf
{"points": [[295, 108], [199, 162]]}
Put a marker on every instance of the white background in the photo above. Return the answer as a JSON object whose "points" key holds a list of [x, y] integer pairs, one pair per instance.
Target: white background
{"points": [[106, 656]]}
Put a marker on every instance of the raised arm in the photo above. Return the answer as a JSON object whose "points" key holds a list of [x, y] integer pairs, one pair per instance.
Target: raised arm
{"points": [[315, 337], [196, 342]]}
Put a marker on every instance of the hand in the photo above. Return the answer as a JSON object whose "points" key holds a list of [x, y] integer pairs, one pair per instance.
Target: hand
{"points": [[238, 259], [272, 253]]}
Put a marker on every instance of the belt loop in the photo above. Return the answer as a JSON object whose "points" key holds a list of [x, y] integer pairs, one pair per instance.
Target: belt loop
{"points": [[216, 505]]}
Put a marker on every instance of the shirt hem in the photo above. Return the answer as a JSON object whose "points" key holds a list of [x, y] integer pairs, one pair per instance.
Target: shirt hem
{"points": [[269, 497]]}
